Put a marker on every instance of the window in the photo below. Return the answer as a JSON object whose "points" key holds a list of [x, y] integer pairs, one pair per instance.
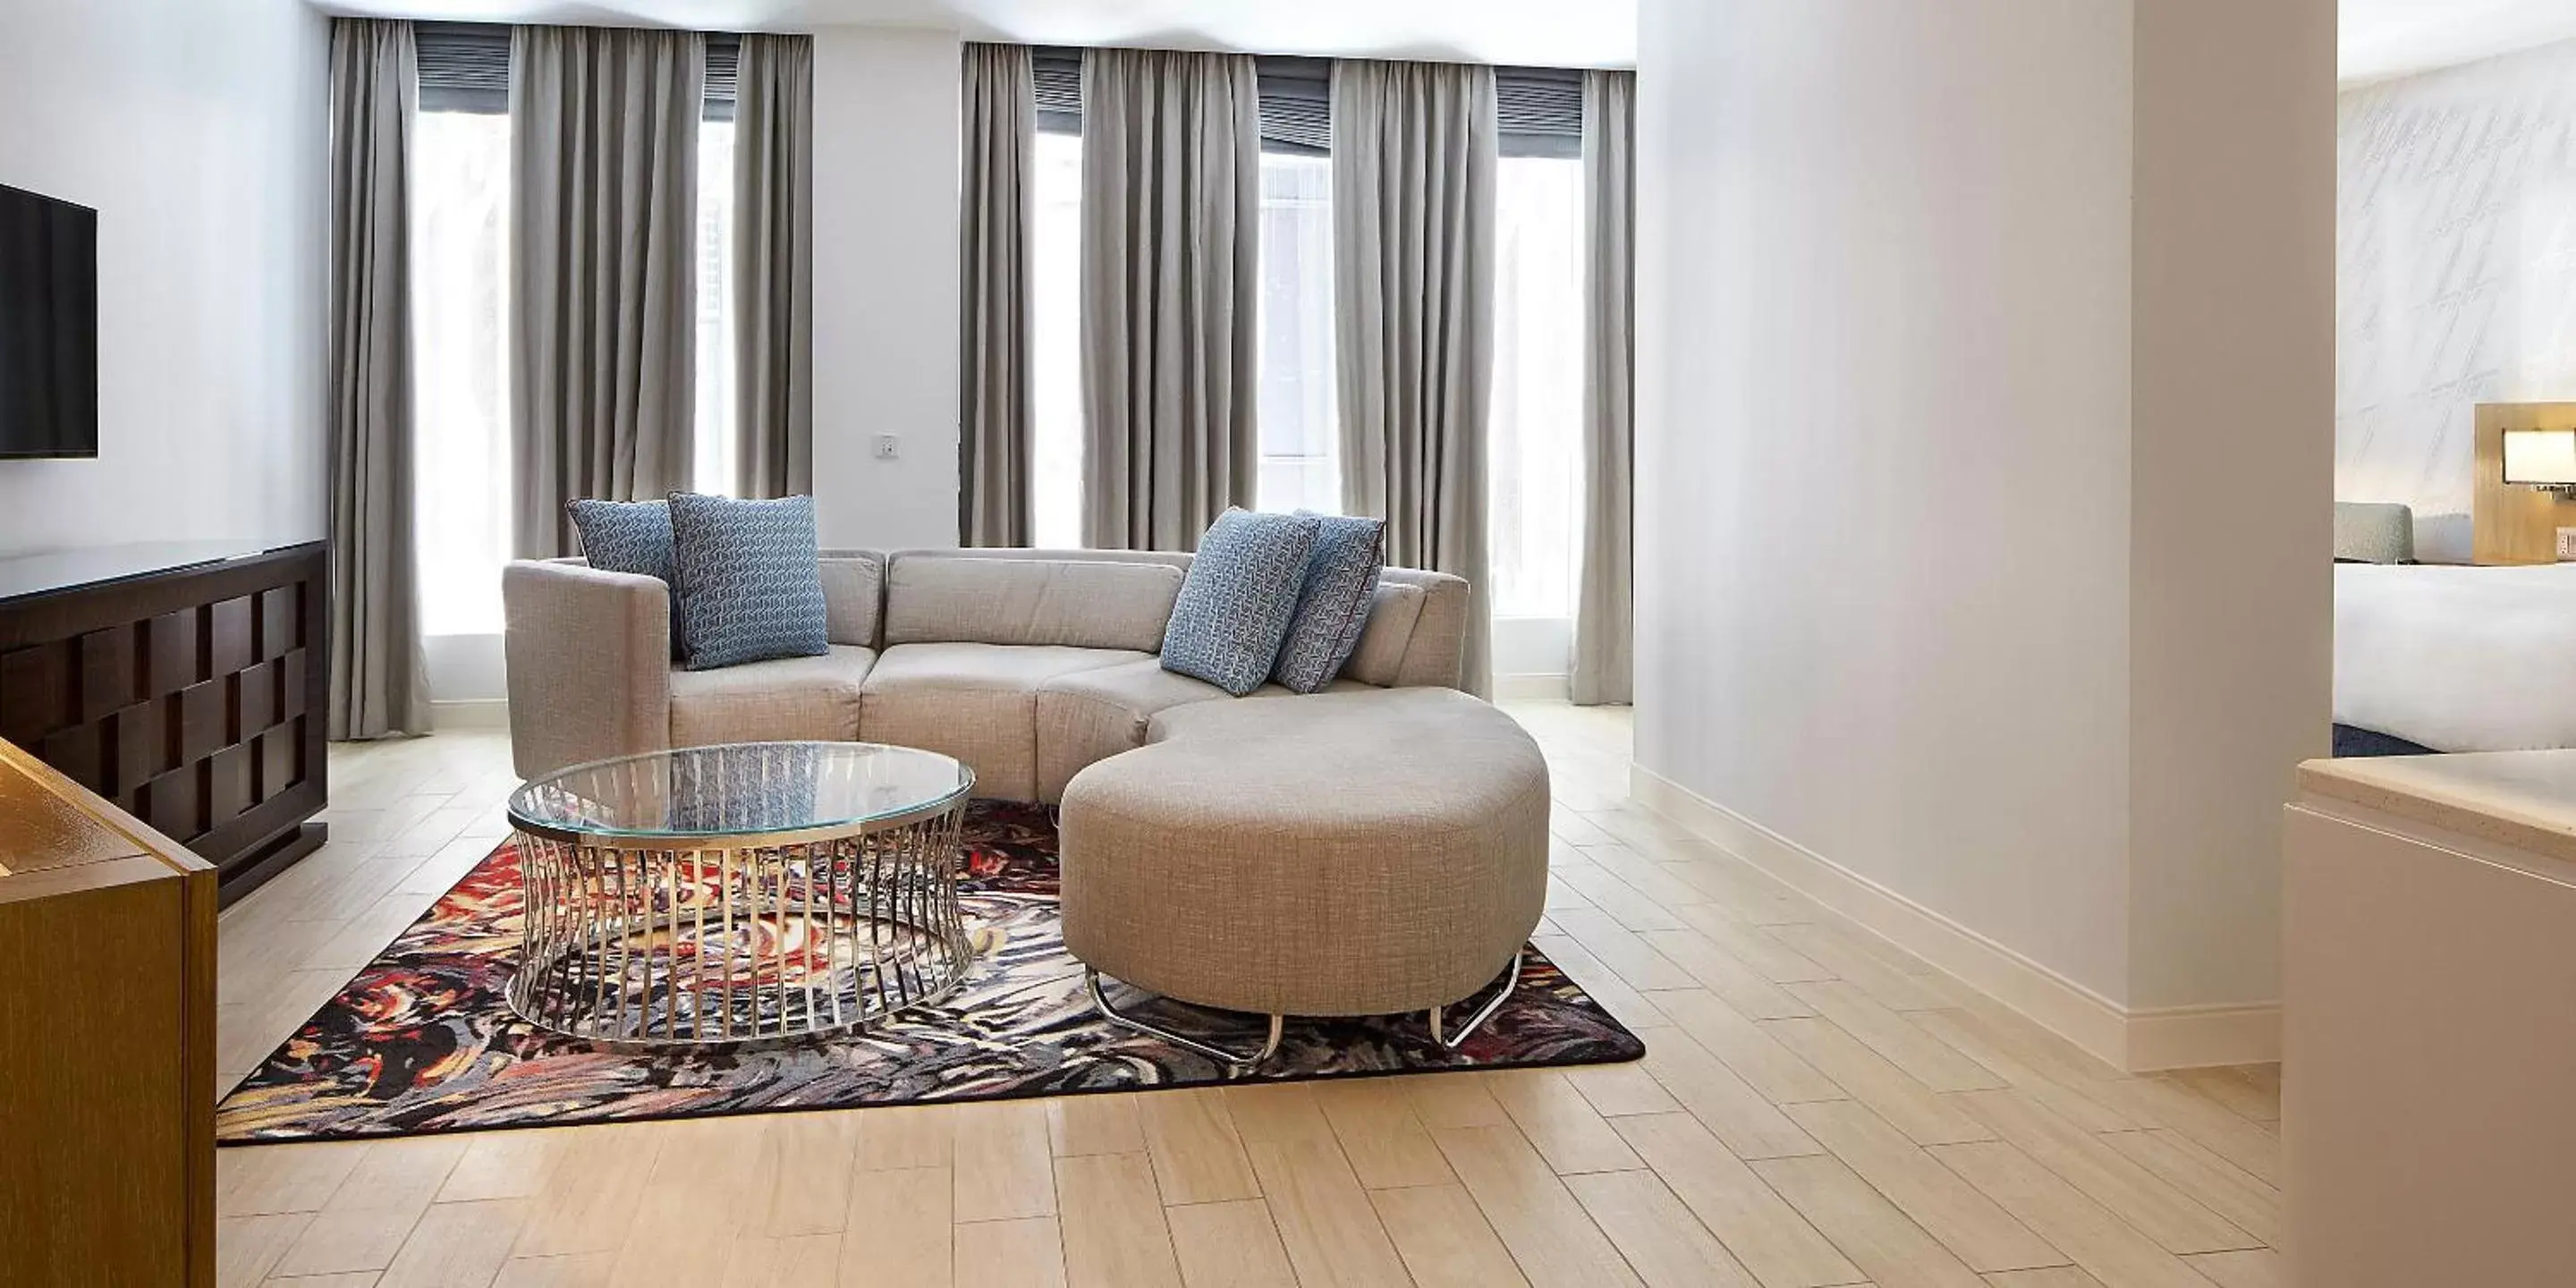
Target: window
{"points": [[1300, 466], [1535, 466], [1055, 308], [460, 360], [1296, 431], [712, 429], [461, 339]]}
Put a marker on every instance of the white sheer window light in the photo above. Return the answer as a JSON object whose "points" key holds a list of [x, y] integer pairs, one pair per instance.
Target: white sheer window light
{"points": [[712, 428], [461, 344], [460, 347], [1300, 469], [1535, 471], [1055, 307]]}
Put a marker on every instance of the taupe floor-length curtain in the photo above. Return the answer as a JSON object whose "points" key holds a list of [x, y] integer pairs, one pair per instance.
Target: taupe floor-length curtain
{"points": [[603, 278], [1171, 200], [997, 427], [378, 684], [773, 232], [1414, 166], [1604, 640]]}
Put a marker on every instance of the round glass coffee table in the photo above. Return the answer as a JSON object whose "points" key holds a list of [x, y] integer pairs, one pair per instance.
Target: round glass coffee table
{"points": [[740, 892]]}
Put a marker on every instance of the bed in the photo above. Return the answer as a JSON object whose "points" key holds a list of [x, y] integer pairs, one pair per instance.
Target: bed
{"points": [[2457, 658]]}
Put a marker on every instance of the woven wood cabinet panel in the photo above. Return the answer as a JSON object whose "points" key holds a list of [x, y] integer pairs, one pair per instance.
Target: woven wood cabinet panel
{"points": [[193, 699]]}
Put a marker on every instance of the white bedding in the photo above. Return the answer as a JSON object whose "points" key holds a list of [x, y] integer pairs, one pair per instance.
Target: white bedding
{"points": [[2458, 658]]}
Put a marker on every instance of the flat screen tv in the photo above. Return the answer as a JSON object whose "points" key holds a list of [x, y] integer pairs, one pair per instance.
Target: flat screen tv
{"points": [[48, 326]]}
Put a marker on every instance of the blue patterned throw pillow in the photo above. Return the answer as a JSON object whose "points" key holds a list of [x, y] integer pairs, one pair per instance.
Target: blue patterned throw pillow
{"points": [[1333, 608], [1238, 597], [750, 584], [629, 536]]}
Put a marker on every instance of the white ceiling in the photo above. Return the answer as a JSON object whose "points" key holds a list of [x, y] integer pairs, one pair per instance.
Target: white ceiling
{"points": [[2380, 38], [1560, 33], [2385, 38]]}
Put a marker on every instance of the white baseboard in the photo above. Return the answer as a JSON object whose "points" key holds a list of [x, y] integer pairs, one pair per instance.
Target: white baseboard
{"points": [[2135, 1040], [2193, 1037], [1534, 686], [470, 713]]}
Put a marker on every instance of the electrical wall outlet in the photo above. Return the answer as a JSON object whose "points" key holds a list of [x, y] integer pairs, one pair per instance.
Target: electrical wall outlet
{"points": [[888, 447]]}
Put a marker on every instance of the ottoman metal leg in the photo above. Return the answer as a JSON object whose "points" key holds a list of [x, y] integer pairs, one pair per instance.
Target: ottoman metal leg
{"points": [[1440, 1014], [1235, 1062]]}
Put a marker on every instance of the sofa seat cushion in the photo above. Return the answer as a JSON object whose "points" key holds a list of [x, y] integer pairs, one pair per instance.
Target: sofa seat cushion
{"points": [[1355, 853], [977, 702], [1093, 715], [785, 700]]}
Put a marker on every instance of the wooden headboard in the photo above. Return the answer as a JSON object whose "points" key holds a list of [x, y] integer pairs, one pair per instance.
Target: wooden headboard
{"points": [[2509, 523]]}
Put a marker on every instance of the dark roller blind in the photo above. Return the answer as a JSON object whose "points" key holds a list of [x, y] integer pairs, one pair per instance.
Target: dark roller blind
{"points": [[464, 66], [1540, 110], [724, 55], [1296, 105], [1058, 77], [1296, 96]]}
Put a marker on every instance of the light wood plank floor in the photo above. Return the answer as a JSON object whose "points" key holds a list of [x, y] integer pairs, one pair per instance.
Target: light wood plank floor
{"points": [[1818, 1108]]}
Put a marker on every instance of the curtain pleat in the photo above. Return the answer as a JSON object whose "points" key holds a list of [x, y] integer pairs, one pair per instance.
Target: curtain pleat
{"points": [[378, 679], [1604, 643], [603, 278], [773, 230], [1414, 165], [997, 437], [1171, 201]]}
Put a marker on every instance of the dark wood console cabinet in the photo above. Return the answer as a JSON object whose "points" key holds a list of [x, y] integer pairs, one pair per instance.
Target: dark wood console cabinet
{"points": [[184, 683]]}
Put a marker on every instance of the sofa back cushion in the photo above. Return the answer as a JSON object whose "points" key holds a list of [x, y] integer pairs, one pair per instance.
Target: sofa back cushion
{"points": [[853, 596], [1077, 603], [1379, 659]]}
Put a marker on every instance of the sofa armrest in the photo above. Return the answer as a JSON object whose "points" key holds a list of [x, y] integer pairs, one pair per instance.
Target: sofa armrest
{"points": [[589, 657]]}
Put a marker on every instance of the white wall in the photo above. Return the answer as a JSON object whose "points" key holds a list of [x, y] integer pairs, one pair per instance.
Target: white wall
{"points": [[2230, 593], [197, 130], [1981, 519], [2456, 274], [1884, 295], [1532, 656], [885, 285]]}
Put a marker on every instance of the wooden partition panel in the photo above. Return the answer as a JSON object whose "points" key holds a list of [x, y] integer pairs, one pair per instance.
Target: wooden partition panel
{"points": [[2510, 523], [193, 699], [107, 1039]]}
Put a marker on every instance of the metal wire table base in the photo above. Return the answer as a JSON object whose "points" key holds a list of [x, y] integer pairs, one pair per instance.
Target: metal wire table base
{"points": [[650, 948], [1239, 1063]]}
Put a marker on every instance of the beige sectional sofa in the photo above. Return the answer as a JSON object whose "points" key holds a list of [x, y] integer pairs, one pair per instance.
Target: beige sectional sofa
{"points": [[1378, 848], [1025, 664]]}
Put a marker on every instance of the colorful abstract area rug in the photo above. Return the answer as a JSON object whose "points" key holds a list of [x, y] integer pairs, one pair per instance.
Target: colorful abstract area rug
{"points": [[423, 1040]]}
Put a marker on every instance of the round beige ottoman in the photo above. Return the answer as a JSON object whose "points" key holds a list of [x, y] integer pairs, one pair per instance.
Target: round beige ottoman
{"points": [[1340, 854]]}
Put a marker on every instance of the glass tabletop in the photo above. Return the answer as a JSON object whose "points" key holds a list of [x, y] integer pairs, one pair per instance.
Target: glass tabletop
{"points": [[741, 789]]}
